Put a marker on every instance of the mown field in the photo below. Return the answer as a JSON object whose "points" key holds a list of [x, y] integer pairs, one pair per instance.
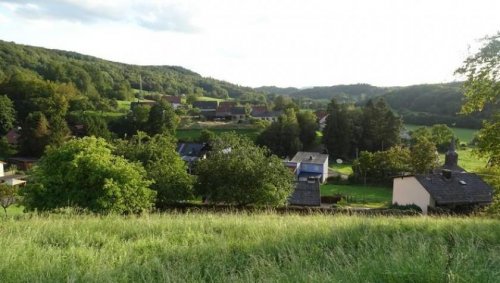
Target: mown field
{"points": [[249, 247], [463, 134], [359, 195]]}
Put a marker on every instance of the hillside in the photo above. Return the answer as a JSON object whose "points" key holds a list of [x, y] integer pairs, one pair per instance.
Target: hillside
{"points": [[108, 79], [343, 93], [430, 104]]}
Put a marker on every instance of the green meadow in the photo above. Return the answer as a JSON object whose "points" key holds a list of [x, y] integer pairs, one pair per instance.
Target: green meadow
{"points": [[463, 134], [245, 247]]}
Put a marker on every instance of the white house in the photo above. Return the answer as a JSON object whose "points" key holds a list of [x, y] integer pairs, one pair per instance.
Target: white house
{"points": [[449, 188], [309, 165], [10, 178]]}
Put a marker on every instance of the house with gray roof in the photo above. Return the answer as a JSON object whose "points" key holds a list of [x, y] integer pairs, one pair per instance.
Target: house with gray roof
{"points": [[306, 194], [450, 188], [208, 109], [309, 165]]}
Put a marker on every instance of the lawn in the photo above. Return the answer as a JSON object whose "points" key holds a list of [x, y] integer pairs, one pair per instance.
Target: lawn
{"points": [[262, 247], [359, 195], [193, 134], [463, 134], [468, 160], [344, 168]]}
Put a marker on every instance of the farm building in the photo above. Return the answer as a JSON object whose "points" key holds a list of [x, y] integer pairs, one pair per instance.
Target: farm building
{"points": [[306, 193]]}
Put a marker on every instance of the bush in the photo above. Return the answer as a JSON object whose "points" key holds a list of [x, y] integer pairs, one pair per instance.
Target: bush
{"points": [[83, 173]]}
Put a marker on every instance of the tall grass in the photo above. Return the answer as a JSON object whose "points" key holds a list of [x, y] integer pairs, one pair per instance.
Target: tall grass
{"points": [[248, 248]]}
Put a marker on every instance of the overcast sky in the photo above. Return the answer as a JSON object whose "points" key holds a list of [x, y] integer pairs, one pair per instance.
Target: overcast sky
{"points": [[253, 43]]}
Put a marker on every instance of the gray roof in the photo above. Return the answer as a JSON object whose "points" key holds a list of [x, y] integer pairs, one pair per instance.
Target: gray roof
{"points": [[266, 114], [205, 105], [461, 188], [238, 110], [191, 149], [310, 157], [306, 193]]}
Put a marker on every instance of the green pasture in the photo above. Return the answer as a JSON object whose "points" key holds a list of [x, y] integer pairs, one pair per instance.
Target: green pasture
{"points": [[359, 195], [463, 134], [246, 247]]}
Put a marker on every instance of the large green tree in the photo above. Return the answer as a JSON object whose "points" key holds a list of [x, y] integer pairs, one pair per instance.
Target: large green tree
{"points": [[7, 114], [163, 165], [423, 156], [84, 173], [338, 132], [283, 136], [482, 89], [162, 119], [308, 127], [238, 172]]}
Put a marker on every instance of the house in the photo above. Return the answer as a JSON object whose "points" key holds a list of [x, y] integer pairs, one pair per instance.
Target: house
{"points": [[208, 109], [224, 110], [238, 113], [307, 165], [13, 136], [306, 194], [192, 152], [450, 188], [22, 163], [9, 177], [267, 115], [175, 101]]}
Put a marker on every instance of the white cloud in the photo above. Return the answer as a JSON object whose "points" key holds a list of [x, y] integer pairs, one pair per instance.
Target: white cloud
{"points": [[161, 16], [286, 43]]}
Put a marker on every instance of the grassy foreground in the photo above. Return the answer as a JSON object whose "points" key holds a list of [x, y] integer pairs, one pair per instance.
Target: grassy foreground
{"points": [[255, 247]]}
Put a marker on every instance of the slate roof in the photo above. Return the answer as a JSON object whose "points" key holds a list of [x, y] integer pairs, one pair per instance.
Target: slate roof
{"points": [[191, 149], [310, 157], [205, 105], [306, 194], [266, 114], [172, 99], [227, 104], [238, 110], [461, 188]]}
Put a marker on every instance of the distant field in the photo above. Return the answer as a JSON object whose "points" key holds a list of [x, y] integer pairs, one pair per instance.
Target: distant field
{"points": [[123, 105], [359, 195], [468, 161], [206, 98], [263, 247], [464, 135], [193, 134]]}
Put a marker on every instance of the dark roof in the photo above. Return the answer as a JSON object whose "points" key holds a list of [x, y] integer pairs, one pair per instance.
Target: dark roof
{"points": [[310, 175], [461, 188], [306, 193], [191, 149], [172, 99], [310, 157], [266, 114], [227, 104], [205, 105], [238, 110], [258, 109]]}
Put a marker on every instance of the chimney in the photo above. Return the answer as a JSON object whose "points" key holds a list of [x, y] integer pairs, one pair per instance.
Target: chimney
{"points": [[446, 173], [451, 156]]}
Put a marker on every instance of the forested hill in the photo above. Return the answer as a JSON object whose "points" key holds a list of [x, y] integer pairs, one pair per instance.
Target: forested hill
{"points": [[430, 104], [98, 77]]}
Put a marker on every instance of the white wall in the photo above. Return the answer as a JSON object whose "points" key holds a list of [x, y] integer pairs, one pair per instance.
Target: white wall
{"points": [[408, 190], [2, 173]]}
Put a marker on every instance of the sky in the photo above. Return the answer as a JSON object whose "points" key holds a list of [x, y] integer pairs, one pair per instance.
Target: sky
{"points": [[272, 42]]}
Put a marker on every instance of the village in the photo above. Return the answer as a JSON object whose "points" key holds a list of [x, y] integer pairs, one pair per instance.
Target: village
{"points": [[444, 188]]}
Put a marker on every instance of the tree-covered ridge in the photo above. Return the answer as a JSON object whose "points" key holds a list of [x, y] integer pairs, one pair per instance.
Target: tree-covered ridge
{"points": [[342, 93], [430, 104], [109, 79]]}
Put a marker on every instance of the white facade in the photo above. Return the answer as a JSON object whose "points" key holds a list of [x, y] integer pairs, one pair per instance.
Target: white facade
{"points": [[408, 190], [2, 172]]}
